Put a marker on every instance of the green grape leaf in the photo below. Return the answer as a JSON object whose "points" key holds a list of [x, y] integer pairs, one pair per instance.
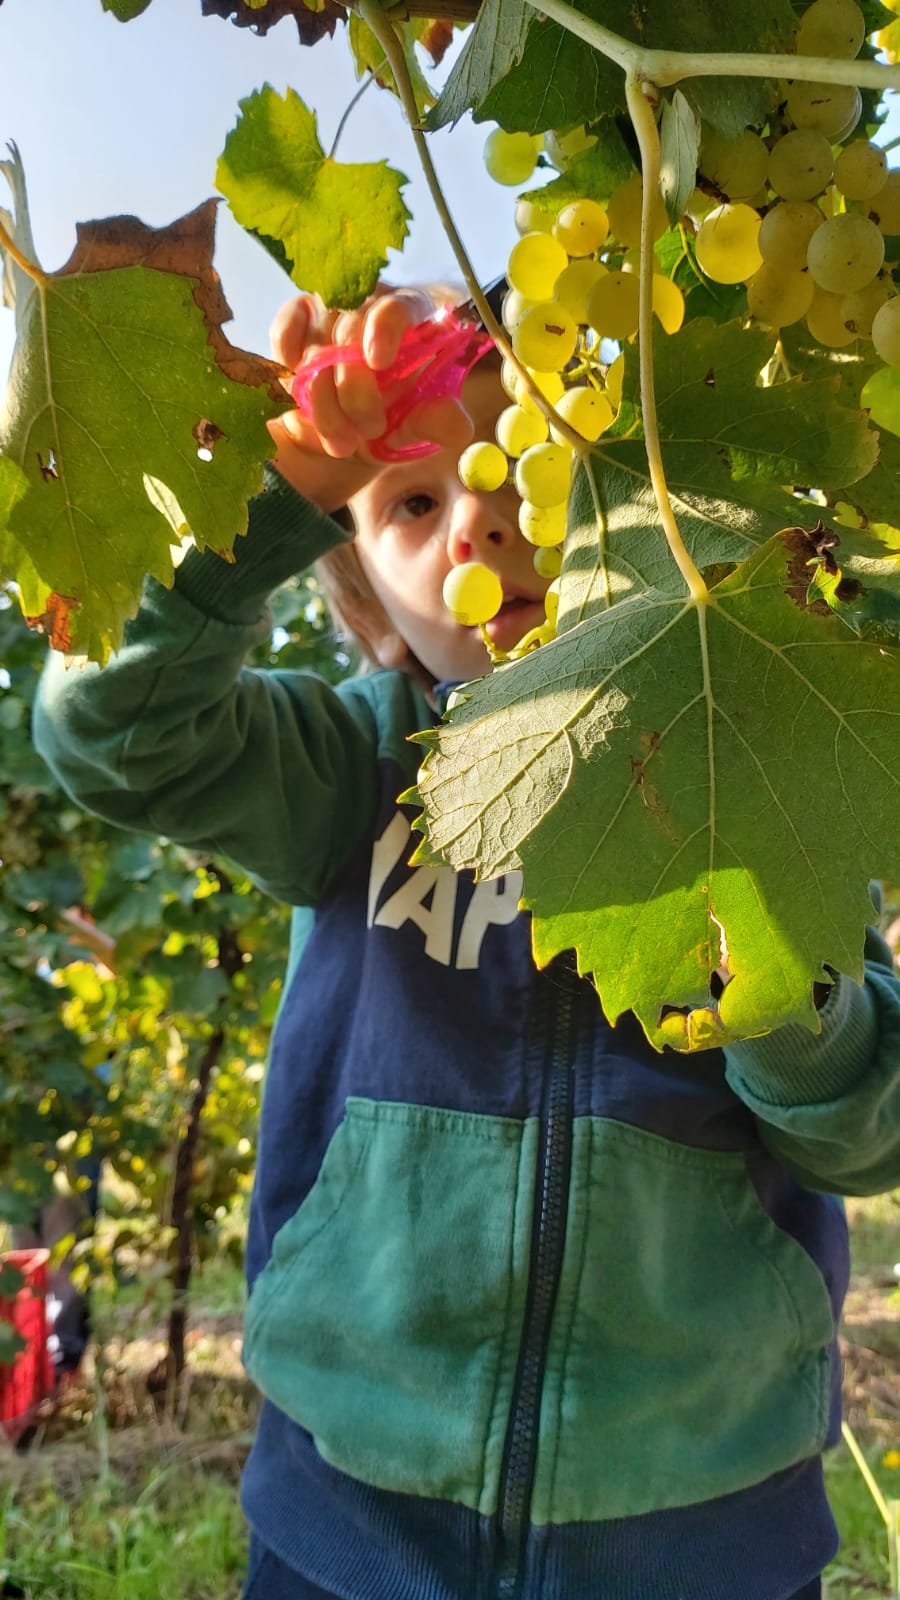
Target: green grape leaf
{"points": [[732, 450], [881, 398], [369, 56], [529, 74], [492, 49], [877, 495], [125, 10], [679, 152], [133, 421], [685, 788], [331, 222], [13, 485], [592, 174]]}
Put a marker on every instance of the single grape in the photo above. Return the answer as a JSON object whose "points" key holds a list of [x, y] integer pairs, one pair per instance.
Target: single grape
{"points": [[668, 302], [884, 207], [736, 166], [582, 227], [509, 377], [615, 378], [551, 602], [846, 253], [472, 593], [545, 336], [483, 467], [832, 109], [727, 244], [561, 148], [575, 284], [586, 410], [778, 297], [800, 165], [535, 262], [517, 430], [547, 561], [550, 385], [512, 308], [886, 332], [699, 205], [614, 306], [860, 309], [825, 322], [785, 232], [833, 28], [532, 218], [860, 170], [543, 473], [624, 212], [510, 158], [544, 526]]}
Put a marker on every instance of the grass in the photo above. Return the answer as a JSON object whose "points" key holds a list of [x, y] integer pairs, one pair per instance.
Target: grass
{"points": [[181, 1535], [118, 1503]]}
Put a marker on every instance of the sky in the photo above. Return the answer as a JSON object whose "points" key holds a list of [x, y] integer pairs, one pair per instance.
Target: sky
{"points": [[117, 117], [114, 117]]}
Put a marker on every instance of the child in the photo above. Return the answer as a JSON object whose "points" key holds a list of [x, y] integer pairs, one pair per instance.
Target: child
{"points": [[539, 1313]]}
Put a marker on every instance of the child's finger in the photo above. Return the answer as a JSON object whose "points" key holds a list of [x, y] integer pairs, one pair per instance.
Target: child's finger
{"points": [[335, 430], [360, 399], [444, 422], [290, 329], [387, 320]]}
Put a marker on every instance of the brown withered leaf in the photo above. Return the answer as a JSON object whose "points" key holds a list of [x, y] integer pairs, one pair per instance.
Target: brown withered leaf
{"points": [[184, 248], [311, 25]]}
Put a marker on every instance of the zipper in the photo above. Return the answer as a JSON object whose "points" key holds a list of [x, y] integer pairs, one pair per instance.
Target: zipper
{"points": [[554, 1023]]}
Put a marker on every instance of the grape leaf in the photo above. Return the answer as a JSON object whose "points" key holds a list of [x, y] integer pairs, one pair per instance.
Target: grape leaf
{"points": [[492, 49], [313, 21], [369, 56], [733, 451], [125, 10], [685, 787], [592, 174], [132, 419], [679, 153], [881, 398], [529, 74], [333, 221]]}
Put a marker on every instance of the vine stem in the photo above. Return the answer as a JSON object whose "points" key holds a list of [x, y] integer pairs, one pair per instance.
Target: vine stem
{"points": [[644, 122], [383, 30], [373, 72], [665, 67], [30, 268]]}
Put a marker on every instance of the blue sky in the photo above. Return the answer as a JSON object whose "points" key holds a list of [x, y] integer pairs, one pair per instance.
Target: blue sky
{"points": [[112, 117]]}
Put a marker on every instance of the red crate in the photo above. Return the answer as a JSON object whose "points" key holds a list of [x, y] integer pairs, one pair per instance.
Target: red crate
{"points": [[29, 1379]]}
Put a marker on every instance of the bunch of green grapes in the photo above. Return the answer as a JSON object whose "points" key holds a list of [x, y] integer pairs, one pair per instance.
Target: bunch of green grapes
{"points": [[799, 211], [804, 208], [573, 296]]}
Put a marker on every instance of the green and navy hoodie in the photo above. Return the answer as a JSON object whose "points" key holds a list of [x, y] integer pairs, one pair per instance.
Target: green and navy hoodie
{"points": [[538, 1313]]}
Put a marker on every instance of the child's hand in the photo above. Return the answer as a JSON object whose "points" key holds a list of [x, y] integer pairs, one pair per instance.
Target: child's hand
{"points": [[327, 459]]}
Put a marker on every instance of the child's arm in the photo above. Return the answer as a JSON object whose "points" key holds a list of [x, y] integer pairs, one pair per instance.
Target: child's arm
{"points": [[175, 737], [828, 1105]]}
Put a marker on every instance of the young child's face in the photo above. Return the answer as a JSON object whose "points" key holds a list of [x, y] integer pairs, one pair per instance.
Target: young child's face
{"points": [[415, 521]]}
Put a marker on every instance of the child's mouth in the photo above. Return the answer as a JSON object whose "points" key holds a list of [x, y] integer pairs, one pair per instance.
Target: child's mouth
{"points": [[517, 616]]}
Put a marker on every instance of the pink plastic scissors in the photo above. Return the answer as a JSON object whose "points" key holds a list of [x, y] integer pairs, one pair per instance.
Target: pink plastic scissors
{"points": [[437, 354]]}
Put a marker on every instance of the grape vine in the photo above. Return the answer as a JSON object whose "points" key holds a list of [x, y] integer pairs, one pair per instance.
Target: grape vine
{"points": [[701, 352]]}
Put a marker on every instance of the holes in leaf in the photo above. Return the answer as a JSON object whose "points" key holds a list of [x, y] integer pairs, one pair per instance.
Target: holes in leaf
{"points": [[207, 435], [47, 468]]}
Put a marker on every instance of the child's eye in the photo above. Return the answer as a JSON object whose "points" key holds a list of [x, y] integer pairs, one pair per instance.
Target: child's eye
{"points": [[413, 506]]}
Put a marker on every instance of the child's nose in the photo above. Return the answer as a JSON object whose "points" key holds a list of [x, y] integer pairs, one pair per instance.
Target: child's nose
{"points": [[478, 529]]}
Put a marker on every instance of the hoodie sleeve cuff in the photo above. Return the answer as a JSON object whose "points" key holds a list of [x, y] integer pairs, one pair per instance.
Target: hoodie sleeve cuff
{"points": [[792, 1066], [285, 535]]}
